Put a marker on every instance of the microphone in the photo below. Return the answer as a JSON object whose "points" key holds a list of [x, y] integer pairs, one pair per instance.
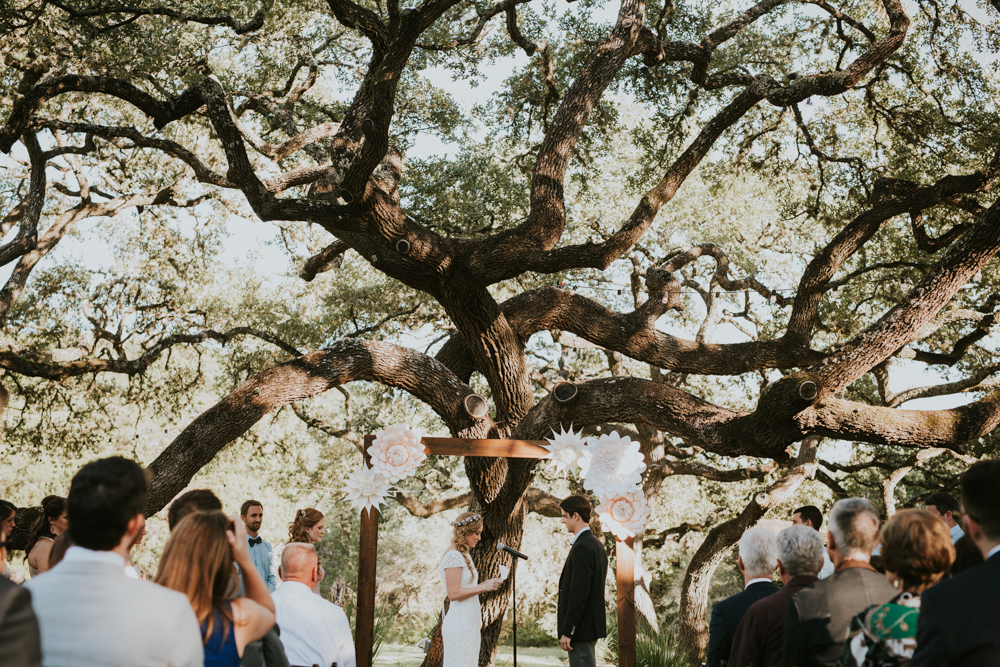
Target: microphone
{"points": [[516, 554]]}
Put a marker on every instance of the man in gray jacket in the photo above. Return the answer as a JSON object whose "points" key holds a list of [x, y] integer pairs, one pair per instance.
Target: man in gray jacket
{"points": [[819, 617], [89, 612]]}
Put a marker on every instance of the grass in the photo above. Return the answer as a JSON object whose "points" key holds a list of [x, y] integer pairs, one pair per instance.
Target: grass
{"points": [[402, 655]]}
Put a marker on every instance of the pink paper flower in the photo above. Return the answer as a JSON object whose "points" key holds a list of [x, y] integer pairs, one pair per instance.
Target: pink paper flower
{"points": [[624, 515], [396, 452]]}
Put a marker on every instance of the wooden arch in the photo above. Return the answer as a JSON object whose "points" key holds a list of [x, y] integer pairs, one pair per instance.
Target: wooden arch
{"points": [[364, 633]]}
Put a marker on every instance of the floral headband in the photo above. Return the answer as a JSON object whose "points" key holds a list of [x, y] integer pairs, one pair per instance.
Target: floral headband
{"points": [[467, 520]]}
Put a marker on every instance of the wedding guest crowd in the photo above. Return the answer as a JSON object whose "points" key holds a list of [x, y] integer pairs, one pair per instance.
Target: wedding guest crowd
{"points": [[917, 613], [209, 604]]}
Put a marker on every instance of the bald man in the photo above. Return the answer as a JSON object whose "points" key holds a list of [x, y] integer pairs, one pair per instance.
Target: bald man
{"points": [[313, 630]]}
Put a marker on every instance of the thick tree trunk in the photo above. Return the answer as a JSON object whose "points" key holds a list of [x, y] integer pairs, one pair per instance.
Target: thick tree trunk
{"points": [[722, 538]]}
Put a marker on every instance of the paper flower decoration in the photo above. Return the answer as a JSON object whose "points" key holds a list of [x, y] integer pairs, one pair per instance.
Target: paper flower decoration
{"points": [[624, 515], [611, 465], [566, 448], [396, 452], [366, 488]]}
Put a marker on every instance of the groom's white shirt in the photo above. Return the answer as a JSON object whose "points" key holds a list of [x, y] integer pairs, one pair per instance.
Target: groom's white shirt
{"points": [[91, 615]]}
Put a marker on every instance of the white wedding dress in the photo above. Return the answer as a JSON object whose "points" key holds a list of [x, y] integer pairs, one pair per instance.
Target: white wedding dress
{"points": [[460, 629]]}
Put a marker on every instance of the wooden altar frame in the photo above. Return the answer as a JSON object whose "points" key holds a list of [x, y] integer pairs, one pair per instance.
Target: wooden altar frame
{"points": [[364, 634]]}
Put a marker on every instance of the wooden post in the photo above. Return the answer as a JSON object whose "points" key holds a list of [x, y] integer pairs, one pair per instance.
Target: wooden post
{"points": [[364, 627], [625, 574]]}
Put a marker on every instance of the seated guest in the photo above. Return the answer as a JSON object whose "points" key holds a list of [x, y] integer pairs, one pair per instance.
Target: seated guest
{"points": [[314, 631], [947, 509], [812, 517], [760, 636], [758, 556], [196, 500], [916, 552], [819, 617], [264, 653], [198, 561], [47, 527], [88, 611], [19, 642], [8, 514], [959, 623]]}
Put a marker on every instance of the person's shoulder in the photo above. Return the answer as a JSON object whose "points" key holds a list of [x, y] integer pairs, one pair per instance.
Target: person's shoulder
{"points": [[452, 557], [166, 599], [976, 582]]}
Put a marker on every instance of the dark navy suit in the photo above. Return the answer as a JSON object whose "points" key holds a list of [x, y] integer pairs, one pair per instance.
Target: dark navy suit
{"points": [[727, 614], [959, 622]]}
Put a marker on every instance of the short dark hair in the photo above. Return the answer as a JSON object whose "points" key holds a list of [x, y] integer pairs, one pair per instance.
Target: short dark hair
{"points": [[198, 500], [944, 502], [981, 496], [577, 505], [245, 507], [811, 514], [103, 497]]}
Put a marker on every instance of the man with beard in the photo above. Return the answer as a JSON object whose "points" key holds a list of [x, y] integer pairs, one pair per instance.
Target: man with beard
{"points": [[252, 514]]}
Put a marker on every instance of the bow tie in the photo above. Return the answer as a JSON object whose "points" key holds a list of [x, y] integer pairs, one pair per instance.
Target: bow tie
{"points": [[253, 540]]}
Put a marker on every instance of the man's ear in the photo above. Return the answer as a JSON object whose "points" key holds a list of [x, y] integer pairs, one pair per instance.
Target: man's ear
{"points": [[831, 543], [135, 524], [948, 516], [739, 563], [281, 575], [781, 567]]}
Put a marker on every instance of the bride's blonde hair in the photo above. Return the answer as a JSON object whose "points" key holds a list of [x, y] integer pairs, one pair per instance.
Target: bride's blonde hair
{"points": [[465, 524]]}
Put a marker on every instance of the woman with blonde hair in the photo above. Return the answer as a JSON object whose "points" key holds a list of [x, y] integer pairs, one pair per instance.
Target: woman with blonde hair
{"points": [[198, 561], [916, 552], [308, 527], [460, 629]]}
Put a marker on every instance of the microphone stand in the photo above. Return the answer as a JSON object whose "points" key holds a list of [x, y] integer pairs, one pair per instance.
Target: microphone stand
{"points": [[513, 593]]}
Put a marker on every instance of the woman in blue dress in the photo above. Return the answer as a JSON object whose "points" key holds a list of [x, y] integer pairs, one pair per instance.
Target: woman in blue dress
{"points": [[198, 561]]}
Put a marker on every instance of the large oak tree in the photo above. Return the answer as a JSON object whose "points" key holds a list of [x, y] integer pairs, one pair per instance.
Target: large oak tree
{"points": [[870, 129]]}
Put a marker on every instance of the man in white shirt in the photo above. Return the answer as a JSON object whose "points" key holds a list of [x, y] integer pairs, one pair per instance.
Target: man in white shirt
{"points": [[313, 630], [89, 613], [811, 516], [946, 508]]}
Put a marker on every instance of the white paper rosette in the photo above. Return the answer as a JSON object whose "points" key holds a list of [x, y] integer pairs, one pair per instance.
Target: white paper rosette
{"points": [[366, 488], [611, 465], [396, 452], [624, 515], [566, 448]]}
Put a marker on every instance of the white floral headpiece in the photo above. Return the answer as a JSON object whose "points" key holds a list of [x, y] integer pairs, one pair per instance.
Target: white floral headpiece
{"points": [[466, 521]]}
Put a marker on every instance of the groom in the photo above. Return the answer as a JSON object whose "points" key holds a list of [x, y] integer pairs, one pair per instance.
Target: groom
{"points": [[581, 619]]}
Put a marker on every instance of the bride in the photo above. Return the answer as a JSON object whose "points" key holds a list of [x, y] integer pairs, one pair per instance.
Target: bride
{"points": [[460, 629]]}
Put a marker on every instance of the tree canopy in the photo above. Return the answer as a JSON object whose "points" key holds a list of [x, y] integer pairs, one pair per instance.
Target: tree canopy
{"points": [[735, 227]]}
